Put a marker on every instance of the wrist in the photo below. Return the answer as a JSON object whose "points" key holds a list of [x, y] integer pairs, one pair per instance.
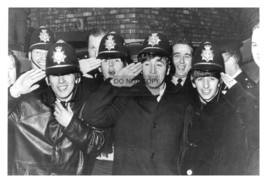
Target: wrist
{"points": [[14, 91]]}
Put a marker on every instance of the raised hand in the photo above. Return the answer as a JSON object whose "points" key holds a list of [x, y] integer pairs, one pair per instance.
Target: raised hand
{"points": [[63, 116], [126, 74], [228, 80], [25, 83], [88, 65]]}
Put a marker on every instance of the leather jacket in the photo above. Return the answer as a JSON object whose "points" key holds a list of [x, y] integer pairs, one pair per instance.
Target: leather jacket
{"points": [[44, 147]]}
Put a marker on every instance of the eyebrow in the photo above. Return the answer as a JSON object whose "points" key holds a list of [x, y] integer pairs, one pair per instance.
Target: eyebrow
{"points": [[178, 53]]}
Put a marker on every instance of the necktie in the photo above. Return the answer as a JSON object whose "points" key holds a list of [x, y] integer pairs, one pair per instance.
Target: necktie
{"points": [[64, 104], [179, 82]]}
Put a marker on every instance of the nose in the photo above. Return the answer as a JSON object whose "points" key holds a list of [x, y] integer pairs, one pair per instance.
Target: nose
{"points": [[111, 69], [43, 56], [181, 59], [153, 69], [206, 83], [61, 79]]}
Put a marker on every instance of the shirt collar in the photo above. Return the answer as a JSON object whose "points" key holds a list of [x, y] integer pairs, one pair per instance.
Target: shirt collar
{"points": [[161, 92], [174, 80]]}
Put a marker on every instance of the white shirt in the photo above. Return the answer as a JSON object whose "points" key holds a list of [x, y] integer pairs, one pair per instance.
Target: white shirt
{"points": [[161, 92]]}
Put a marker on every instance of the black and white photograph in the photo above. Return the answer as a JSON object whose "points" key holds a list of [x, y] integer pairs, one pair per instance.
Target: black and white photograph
{"points": [[133, 90]]}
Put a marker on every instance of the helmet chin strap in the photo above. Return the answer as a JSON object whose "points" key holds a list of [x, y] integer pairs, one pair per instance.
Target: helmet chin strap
{"points": [[219, 90], [36, 65]]}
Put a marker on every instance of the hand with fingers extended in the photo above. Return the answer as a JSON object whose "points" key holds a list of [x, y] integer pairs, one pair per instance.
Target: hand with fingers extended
{"points": [[88, 65], [25, 83], [125, 76], [63, 115], [228, 80]]}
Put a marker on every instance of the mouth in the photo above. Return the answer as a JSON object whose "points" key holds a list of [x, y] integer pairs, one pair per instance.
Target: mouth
{"points": [[42, 63], [180, 67], [206, 92], [62, 88], [111, 73]]}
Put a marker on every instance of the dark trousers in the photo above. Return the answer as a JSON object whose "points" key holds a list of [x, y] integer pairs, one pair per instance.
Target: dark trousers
{"points": [[102, 167]]}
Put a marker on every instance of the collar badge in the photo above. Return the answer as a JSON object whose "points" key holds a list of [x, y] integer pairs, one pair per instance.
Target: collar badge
{"points": [[110, 42], [207, 53], [153, 39], [44, 36], [59, 56]]}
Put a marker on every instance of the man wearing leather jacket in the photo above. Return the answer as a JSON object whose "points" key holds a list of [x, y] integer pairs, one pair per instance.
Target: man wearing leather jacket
{"points": [[50, 136]]}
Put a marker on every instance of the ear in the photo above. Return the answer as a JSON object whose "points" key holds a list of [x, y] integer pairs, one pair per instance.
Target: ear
{"points": [[194, 85], [30, 56], [100, 69], [47, 81], [168, 71], [77, 80]]}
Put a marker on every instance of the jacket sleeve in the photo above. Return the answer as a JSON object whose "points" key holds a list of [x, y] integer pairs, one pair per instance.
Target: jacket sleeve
{"points": [[104, 107], [88, 138], [12, 102], [246, 104], [247, 108]]}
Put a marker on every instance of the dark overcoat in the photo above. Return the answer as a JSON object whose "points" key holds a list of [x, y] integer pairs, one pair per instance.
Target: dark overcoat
{"points": [[146, 132]]}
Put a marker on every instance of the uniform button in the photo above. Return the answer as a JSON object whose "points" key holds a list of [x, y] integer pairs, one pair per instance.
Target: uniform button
{"points": [[189, 172], [152, 155], [154, 125]]}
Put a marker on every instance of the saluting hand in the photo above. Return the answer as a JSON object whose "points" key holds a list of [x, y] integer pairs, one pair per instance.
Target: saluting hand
{"points": [[228, 80], [126, 74], [88, 65], [25, 83], [63, 116]]}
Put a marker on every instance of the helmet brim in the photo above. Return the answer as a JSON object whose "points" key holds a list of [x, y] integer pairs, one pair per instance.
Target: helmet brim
{"points": [[62, 70], [110, 55], [41, 46], [208, 67]]}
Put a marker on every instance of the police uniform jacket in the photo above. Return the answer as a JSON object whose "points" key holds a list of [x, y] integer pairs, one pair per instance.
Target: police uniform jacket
{"points": [[44, 147], [245, 81], [146, 132], [220, 136]]}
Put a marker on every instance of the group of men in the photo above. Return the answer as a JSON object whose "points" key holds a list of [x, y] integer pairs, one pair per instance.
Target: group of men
{"points": [[175, 112]]}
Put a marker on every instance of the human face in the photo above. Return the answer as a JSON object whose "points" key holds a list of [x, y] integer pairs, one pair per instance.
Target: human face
{"points": [[38, 57], [62, 85], [255, 46], [207, 88], [11, 70], [93, 45], [182, 59], [154, 71], [110, 67]]}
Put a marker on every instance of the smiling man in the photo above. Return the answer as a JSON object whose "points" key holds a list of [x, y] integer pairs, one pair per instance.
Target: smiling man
{"points": [[217, 128], [147, 117], [182, 59], [50, 138], [181, 64]]}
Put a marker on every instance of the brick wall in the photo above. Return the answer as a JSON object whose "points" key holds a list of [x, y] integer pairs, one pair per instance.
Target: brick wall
{"points": [[136, 23]]}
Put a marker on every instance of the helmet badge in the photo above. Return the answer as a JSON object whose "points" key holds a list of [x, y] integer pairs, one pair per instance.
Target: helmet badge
{"points": [[110, 43], [153, 39], [44, 36], [59, 56], [207, 54]]}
